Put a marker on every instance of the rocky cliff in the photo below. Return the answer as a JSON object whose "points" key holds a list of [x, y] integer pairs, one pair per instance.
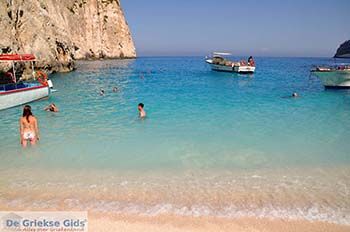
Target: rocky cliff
{"points": [[60, 31], [344, 50]]}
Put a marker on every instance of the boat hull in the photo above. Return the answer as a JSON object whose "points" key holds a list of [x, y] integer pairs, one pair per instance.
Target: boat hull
{"points": [[221, 68], [17, 97], [335, 79], [244, 69]]}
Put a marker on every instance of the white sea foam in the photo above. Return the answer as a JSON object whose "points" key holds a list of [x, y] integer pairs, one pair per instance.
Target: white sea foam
{"points": [[313, 213], [311, 196]]}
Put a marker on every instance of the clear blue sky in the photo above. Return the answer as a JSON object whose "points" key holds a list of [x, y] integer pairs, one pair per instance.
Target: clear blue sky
{"points": [[251, 27]]}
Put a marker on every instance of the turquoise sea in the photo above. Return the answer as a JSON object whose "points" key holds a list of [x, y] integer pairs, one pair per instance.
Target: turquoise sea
{"points": [[213, 143]]}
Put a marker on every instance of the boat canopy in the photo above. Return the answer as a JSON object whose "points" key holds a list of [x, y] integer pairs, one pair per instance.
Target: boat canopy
{"points": [[17, 57], [221, 54], [14, 58]]}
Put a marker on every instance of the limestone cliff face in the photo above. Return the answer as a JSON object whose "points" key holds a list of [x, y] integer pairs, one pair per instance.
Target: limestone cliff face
{"points": [[60, 31]]}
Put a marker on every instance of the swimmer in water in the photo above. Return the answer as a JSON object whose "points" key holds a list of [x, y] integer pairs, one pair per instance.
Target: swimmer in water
{"points": [[28, 127], [294, 95], [102, 92], [142, 112], [115, 89], [52, 108]]}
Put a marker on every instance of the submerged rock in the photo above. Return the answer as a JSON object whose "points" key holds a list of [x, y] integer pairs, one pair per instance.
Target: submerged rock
{"points": [[59, 32], [343, 51]]}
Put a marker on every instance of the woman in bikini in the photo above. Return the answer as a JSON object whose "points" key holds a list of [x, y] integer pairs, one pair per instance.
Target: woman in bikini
{"points": [[28, 127]]}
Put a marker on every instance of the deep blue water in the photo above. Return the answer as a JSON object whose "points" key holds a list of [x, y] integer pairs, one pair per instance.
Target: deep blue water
{"points": [[197, 118]]}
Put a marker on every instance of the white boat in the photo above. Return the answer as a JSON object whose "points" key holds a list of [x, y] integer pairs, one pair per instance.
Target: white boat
{"points": [[334, 77], [218, 62], [14, 92]]}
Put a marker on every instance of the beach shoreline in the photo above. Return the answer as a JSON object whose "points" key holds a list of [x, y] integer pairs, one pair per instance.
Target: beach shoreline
{"points": [[283, 196], [168, 223], [109, 220]]}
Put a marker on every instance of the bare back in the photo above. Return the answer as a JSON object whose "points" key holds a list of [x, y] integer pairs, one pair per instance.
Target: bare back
{"points": [[28, 126]]}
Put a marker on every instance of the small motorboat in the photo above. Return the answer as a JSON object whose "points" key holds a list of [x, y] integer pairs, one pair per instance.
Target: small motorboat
{"points": [[337, 75], [14, 91], [219, 62]]}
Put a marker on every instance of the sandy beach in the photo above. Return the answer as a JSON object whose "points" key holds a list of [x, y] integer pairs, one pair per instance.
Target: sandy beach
{"points": [[111, 222], [202, 202], [103, 223]]}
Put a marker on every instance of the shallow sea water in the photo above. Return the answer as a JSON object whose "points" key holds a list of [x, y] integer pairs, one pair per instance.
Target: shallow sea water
{"points": [[213, 143]]}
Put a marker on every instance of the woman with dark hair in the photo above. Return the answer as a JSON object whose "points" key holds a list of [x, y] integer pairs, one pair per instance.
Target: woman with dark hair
{"points": [[28, 127], [251, 61]]}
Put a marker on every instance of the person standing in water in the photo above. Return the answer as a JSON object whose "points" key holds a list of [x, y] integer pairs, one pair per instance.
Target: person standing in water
{"points": [[142, 112], [28, 127]]}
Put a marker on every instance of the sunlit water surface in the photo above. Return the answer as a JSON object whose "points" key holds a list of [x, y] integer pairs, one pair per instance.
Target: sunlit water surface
{"points": [[213, 143]]}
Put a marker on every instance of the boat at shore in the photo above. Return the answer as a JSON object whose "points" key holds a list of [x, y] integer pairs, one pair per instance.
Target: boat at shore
{"points": [[338, 75], [219, 62], [14, 91]]}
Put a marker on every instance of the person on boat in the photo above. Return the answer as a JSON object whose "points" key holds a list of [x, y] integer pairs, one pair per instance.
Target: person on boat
{"points": [[52, 108], [251, 61], [28, 125], [142, 112]]}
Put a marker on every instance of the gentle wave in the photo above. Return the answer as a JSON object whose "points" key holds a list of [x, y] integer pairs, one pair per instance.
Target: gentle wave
{"points": [[313, 194], [312, 213]]}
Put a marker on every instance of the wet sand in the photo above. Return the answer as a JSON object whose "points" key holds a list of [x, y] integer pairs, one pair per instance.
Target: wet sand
{"points": [[127, 223], [111, 222], [307, 195]]}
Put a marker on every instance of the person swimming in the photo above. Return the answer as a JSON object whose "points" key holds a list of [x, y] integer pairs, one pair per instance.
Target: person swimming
{"points": [[142, 112], [28, 125], [102, 92], [294, 95], [52, 108], [115, 89]]}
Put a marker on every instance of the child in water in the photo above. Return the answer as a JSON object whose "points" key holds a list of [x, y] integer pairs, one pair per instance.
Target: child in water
{"points": [[142, 112]]}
